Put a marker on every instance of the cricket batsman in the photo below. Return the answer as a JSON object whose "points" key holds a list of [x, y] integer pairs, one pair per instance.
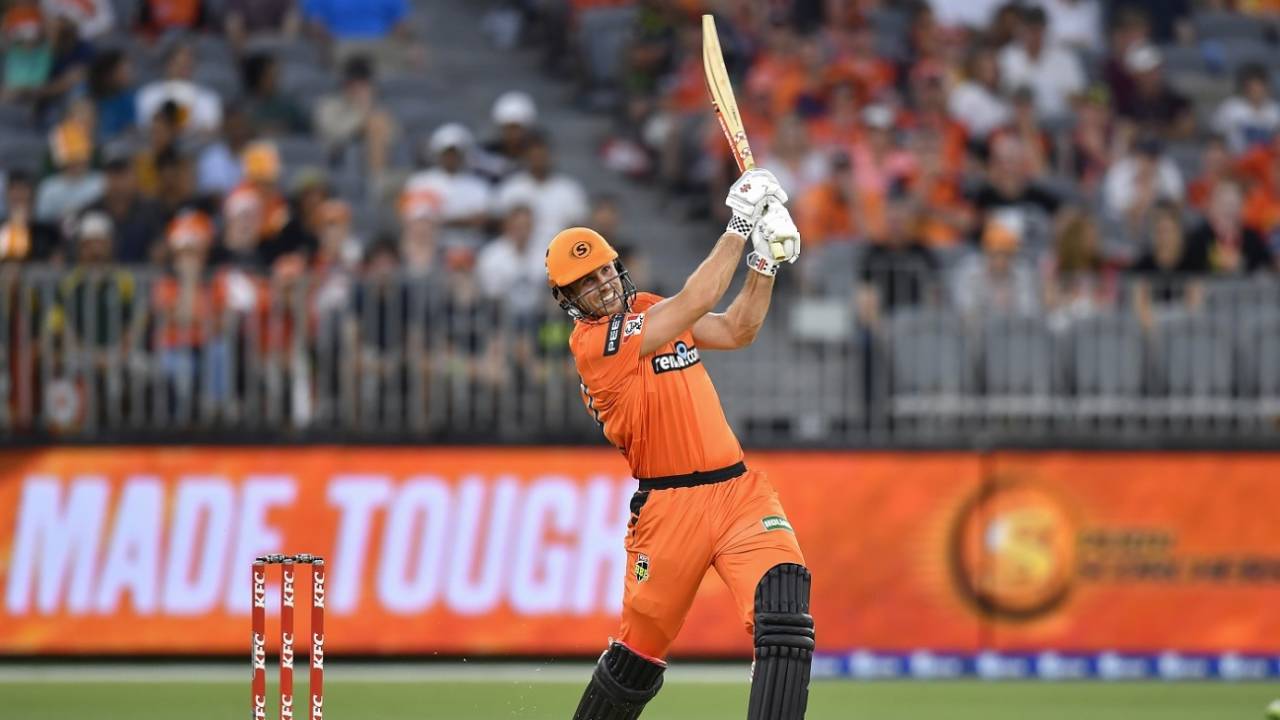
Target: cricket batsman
{"points": [[698, 504]]}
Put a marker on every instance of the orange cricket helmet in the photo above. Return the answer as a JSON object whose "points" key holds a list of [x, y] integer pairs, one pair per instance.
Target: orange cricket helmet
{"points": [[575, 253]]}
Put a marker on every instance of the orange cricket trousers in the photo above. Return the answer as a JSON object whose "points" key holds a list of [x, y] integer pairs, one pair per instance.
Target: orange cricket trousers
{"points": [[737, 526]]}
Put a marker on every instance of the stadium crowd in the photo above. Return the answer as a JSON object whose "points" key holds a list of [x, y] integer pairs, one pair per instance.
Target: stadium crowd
{"points": [[1029, 157]]}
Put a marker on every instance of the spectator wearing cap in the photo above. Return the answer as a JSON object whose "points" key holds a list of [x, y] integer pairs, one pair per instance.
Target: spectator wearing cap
{"points": [[260, 165], [514, 116], [75, 186], [355, 116], [1075, 24], [271, 110], [466, 199], [419, 242], [976, 101], [557, 200], [244, 19], [1250, 117], [996, 281], [378, 28], [199, 108], [1153, 106], [510, 269], [95, 301], [1054, 72], [92, 18], [137, 221], [1223, 242], [218, 167], [28, 57], [22, 235], [1135, 184], [340, 246], [161, 17], [114, 95]]}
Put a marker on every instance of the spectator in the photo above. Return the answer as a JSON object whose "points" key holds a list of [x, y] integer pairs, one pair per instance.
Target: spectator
{"points": [[1223, 243], [94, 301], [1130, 29], [510, 269], [271, 110], [515, 117], [996, 281], [300, 236], [976, 102], [900, 272], [28, 57], [878, 165], [1077, 282], [1170, 20], [1011, 189], [365, 28], [1052, 71], [1250, 117], [1135, 184], [218, 169], [75, 186], [792, 159], [1215, 166], [175, 174], [199, 108], [1153, 105], [1076, 24], [260, 165], [1093, 139], [339, 246], [858, 66], [465, 196], [114, 96], [163, 17], [162, 137], [68, 68], [974, 14], [1166, 275], [419, 232], [829, 212], [92, 18], [22, 235], [557, 200], [606, 219], [239, 244], [137, 221], [355, 115], [244, 19], [1023, 124], [945, 215]]}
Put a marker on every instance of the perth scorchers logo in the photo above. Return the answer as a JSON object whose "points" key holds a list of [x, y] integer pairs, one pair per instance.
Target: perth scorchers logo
{"points": [[685, 356]]}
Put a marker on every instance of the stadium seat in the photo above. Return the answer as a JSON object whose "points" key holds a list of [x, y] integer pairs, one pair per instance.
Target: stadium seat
{"points": [[213, 49], [604, 34], [305, 81], [1107, 357], [416, 113], [1186, 155], [285, 49], [220, 77], [1230, 26], [300, 150], [1021, 372], [22, 149]]}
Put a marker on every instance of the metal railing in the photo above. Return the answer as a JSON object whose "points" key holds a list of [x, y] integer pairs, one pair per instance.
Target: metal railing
{"points": [[117, 354]]}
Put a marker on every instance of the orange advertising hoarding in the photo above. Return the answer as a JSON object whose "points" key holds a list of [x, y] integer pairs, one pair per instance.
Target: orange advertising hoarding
{"points": [[518, 551]]}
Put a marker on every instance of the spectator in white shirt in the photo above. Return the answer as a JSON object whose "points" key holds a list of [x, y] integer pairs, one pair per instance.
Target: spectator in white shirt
{"points": [[557, 200], [1052, 71], [976, 101], [965, 13], [996, 281], [201, 107], [1135, 185], [465, 197], [1251, 116], [1074, 23], [76, 185], [93, 18], [510, 269]]}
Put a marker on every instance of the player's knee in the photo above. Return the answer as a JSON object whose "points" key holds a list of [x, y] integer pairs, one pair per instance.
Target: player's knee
{"points": [[622, 684], [782, 620]]}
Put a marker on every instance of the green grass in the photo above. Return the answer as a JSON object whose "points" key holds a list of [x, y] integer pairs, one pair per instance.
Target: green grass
{"points": [[678, 701]]}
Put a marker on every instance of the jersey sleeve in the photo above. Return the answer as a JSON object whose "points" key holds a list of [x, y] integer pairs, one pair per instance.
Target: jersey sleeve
{"points": [[608, 353]]}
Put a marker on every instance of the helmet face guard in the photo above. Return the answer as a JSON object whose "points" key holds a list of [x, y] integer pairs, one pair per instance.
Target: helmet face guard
{"points": [[577, 309]]}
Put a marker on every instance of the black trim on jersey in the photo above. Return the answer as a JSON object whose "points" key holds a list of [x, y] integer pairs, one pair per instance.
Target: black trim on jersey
{"points": [[613, 339], [694, 478]]}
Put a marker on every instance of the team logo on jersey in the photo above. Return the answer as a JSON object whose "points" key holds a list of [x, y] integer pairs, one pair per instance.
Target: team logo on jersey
{"points": [[684, 356], [613, 338], [641, 569], [776, 522], [633, 327]]}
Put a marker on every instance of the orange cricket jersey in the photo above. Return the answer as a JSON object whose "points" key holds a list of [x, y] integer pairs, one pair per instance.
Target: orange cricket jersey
{"points": [[661, 410]]}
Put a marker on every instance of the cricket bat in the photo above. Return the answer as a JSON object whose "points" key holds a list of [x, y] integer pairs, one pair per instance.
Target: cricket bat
{"points": [[725, 105]]}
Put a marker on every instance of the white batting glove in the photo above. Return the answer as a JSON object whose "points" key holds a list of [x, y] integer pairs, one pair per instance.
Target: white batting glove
{"points": [[748, 198], [774, 240]]}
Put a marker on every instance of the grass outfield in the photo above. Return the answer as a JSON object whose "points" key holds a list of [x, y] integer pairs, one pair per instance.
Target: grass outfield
{"points": [[830, 700]]}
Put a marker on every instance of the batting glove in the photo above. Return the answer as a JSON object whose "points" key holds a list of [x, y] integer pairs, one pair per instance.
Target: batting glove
{"points": [[749, 197], [774, 240]]}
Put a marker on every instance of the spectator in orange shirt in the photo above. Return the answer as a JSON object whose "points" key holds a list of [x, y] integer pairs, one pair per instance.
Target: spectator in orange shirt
{"points": [[157, 17], [779, 72], [858, 64], [260, 163], [828, 212], [839, 128], [945, 216]]}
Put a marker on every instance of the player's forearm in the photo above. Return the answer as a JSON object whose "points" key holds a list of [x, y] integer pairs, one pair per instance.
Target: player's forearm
{"points": [[708, 283], [747, 311]]}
